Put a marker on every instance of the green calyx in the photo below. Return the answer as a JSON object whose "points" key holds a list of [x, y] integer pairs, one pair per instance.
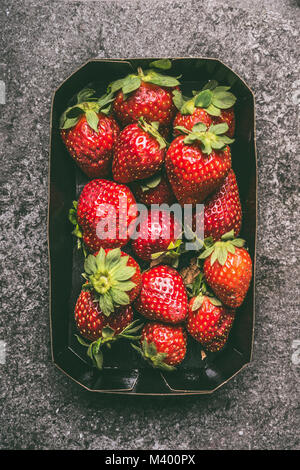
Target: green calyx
{"points": [[152, 129], [212, 98], [151, 183], [88, 105], [154, 358], [199, 290], [219, 250], [108, 336], [109, 277], [133, 81], [77, 230], [213, 138], [172, 254]]}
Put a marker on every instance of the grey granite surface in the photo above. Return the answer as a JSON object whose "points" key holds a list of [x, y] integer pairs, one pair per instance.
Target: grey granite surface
{"points": [[42, 42]]}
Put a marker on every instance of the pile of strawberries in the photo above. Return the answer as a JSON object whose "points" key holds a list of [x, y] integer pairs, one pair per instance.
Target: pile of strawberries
{"points": [[143, 141]]}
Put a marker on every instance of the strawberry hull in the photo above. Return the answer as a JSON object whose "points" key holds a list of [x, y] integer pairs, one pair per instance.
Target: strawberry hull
{"points": [[124, 372]]}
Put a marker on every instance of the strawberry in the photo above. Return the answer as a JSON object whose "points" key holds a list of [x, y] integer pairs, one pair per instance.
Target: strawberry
{"points": [[90, 319], [227, 116], [156, 231], [148, 94], [89, 134], [114, 277], [208, 321], [101, 330], [198, 163], [163, 296], [189, 120], [228, 269], [104, 215], [139, 152], [163, 346], [155, 190], [213, 105], [222, 211]]}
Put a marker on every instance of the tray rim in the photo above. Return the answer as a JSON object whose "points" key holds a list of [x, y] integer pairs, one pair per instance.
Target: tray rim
{"points": [[172, 392]]}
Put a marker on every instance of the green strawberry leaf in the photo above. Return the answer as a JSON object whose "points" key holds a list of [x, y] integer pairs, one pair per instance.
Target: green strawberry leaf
{"points": [[163, 64], [215, 301], [177, 99], [203, 99], [151, 183], [81, 341], [85, 95], [213, 111], [131, 83], [158, 79], [197, 302], [223, 99], [119, 297], [219, 129], [69, 122], [92, 119], [188, 107], [210, 85]]}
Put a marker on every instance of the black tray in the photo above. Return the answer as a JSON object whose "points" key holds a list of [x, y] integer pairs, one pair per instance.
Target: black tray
{"points": [[131, 375]]}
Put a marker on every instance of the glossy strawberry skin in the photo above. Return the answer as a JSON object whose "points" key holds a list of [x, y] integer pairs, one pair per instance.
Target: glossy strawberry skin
{"points": [[163, 296], [231, 281], [153, 102], [161, 194], [193, 174], [222, 210], [90, 320], [189, 120], [227, 116], [157, 230], [137, 155], [92, 151], [95, 203], [168, 339], [210, 324]]}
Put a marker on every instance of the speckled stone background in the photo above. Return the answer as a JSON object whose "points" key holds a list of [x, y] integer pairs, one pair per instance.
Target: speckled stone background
{"points": [[42, 42]]}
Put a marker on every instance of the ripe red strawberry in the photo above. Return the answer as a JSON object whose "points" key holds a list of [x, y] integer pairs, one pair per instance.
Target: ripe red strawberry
{"points": [[148, 94], [163, 296], [228, 269], [101, 330], [208, 321], [212, 105], [90, 135], [163, 346], [222, 211], [155, 190], [90, 319], [198, 163], [189, 120], [156, 231], [227, 116], [139, 152], [104, 214]]}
